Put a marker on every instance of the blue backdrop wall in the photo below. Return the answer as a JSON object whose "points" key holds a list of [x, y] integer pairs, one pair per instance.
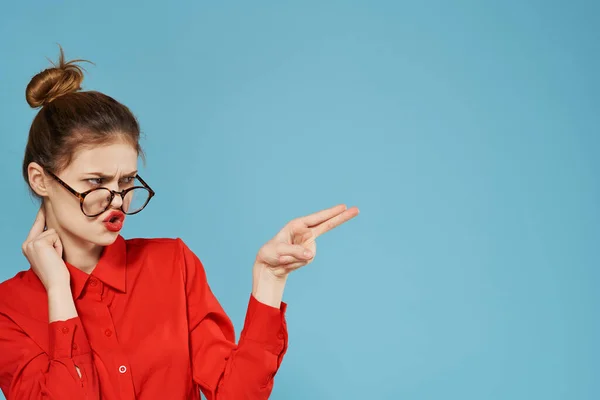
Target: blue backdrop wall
{"points": [[466, 132]]}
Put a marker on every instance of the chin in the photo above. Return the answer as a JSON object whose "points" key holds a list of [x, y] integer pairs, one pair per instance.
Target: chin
{"points": [[106, 238], [97, 235]]}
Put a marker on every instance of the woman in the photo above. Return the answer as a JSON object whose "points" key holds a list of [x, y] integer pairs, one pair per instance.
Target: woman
{"points": [[100, 317]]}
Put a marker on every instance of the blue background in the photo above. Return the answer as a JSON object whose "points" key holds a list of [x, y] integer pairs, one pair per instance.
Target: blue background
{"points": [[467, 132]]}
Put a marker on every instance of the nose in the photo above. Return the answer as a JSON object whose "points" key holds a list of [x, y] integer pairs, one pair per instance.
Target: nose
{"points": [[117, 201]]}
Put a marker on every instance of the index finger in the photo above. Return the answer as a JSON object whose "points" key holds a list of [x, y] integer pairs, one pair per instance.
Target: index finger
{"points": [[336, 221], [323, 215], [38, 224]]}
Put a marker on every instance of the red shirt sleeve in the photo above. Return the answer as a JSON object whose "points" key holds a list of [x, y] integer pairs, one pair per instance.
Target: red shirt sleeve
{"points": [[224, 370], [28, 372]]}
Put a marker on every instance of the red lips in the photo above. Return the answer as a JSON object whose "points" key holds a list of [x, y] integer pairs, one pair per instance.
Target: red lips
{"points": [[114, 221]]}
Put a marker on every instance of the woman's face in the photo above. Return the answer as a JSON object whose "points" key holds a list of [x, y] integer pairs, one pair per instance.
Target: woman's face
{"points": [[112, 166]]}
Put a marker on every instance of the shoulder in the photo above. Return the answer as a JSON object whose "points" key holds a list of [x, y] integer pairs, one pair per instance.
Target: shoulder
{"points": [[10, 283], [153, 245], [161, 246], [23, 283], [159, 251], [157, 246], [165, 257], [23, 295]]}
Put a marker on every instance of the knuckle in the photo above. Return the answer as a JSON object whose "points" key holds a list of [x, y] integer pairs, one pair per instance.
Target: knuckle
{"points": [[281, 247], [277, 247], [262, 253]]}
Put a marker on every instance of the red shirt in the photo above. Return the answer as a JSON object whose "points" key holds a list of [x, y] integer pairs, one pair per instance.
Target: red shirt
{"points": [[149, 327]]}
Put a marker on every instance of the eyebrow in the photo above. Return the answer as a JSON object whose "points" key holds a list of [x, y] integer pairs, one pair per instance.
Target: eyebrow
{"points": [[104, 176]]}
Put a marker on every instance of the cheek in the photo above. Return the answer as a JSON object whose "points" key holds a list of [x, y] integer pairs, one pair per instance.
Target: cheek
{"points": [[69, 215]]}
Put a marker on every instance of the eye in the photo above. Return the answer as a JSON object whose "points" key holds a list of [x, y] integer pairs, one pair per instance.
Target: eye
{"points": [[128, 179], [95, 181]]}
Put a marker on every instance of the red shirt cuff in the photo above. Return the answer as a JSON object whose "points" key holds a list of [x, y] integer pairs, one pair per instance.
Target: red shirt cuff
{"points": [[67, 339], [266, 325]]}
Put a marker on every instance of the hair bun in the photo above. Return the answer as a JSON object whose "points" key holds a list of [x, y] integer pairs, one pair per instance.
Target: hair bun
{"points": [[64, 78]]}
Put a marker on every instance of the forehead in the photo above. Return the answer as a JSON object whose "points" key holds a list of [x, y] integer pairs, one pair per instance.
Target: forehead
{"points": [[110, 159]]}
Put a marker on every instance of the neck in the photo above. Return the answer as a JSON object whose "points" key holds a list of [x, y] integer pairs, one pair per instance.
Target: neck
{"points": [[78, 252]]}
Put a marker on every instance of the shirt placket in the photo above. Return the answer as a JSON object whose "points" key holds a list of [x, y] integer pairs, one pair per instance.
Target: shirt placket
{"points": [[107, 336]]}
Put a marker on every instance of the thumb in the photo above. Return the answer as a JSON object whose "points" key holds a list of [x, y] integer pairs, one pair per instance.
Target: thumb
{"points": [[58, 246], [53, 239]]}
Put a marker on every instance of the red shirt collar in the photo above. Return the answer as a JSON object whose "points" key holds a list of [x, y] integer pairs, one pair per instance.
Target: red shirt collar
{"points": [[110, 269]]}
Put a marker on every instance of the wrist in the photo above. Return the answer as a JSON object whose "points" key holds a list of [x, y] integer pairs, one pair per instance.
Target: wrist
{"points": [[267, 287], [61, 305], [56, 288]]}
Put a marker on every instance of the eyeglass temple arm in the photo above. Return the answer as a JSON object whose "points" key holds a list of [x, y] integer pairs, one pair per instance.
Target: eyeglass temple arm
{"points": [[145, 184], [63, 184]]}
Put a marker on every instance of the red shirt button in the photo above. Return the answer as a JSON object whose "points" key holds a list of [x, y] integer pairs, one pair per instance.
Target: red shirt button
{"points": [[93, 282], [65, 330], [74, 346], [108, 332]]}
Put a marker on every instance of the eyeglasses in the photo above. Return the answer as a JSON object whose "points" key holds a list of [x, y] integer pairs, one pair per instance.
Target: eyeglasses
{"points": [[95, 201]]}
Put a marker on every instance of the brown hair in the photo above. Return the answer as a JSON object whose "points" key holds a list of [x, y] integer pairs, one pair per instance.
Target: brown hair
{"points": [[70, 118]]}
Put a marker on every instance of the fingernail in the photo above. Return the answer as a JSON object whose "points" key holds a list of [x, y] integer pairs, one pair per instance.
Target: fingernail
{"points": [[307, 254]]}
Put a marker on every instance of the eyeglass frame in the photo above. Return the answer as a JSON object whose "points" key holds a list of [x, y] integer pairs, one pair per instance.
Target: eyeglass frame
{"points": [[122, 193]]}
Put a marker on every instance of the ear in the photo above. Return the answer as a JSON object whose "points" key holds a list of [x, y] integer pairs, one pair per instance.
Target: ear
{"points": [[37, 179]]}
